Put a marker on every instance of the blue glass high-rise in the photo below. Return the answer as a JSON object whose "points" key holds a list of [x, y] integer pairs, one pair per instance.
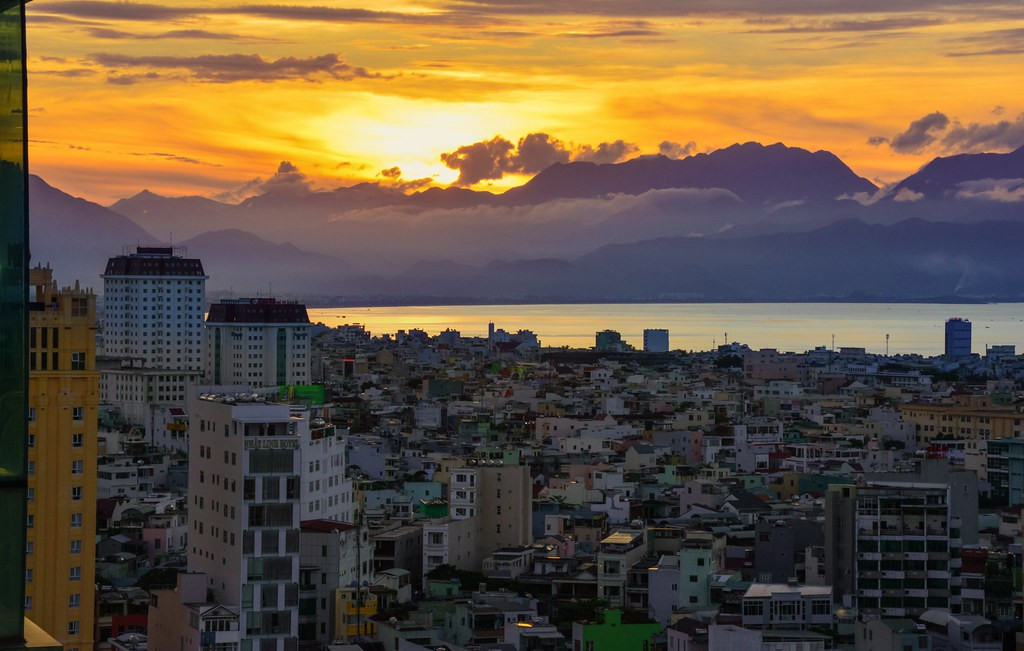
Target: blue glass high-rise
{"points": [[13, 318]]}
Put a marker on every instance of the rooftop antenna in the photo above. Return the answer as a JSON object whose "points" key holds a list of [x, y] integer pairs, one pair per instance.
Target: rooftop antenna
{"points": [[887, 344]]}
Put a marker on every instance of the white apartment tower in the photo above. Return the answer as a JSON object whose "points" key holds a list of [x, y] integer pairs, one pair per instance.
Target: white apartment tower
{"points": [[256, 341], [153, 300], [257, 469]]}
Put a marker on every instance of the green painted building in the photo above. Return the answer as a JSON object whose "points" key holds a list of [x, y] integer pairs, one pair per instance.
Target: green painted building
{"points": [[613, 635]]}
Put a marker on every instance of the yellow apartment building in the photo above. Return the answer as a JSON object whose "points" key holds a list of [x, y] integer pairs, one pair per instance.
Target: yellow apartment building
{"points": [[971, 418], [63, 394]]}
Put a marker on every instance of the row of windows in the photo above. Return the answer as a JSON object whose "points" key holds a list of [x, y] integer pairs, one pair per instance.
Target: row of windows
{"points": [[40, 337], [76, 522], [74, 574], [76, 494], [77, 413]]}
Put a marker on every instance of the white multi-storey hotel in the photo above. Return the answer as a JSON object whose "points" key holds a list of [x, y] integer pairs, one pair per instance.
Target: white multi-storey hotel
{"points": [[257, 341], [154, 300], [257, 469]]}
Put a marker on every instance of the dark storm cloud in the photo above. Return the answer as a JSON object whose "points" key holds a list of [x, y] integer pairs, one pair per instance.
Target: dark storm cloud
{"points": [[606, 152], [978, 137], [938, 132], [920, 134], [492, 159], [538, 151], [480, 161], [243, 67], [394, 180], [675, 150]]}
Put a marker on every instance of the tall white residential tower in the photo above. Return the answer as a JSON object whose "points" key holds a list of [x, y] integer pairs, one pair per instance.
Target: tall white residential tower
{"points": [[154, 300]]}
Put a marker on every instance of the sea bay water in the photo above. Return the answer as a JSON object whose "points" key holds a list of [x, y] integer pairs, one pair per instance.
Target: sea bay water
{"points": [[911, 328]]}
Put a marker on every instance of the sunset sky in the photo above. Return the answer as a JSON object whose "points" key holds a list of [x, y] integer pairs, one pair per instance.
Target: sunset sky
{"points": [[212, 97]]}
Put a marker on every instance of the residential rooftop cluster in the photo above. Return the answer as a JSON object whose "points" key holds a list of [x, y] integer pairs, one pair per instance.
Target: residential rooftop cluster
{"points": [[251, 481]]}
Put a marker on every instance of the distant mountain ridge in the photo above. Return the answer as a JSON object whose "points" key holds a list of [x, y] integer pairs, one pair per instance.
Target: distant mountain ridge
{"points": [[749, 221], [756, 173], [944, 177]]}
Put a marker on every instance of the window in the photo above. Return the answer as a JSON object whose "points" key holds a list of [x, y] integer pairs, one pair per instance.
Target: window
{"points": [[78, 361], [73, 627], [76, 492], [78, 413], [77, 467], [74, 600], [75, 574], [76, 519], [76, 440], [79, 307], [31, 414], [76, 546]]}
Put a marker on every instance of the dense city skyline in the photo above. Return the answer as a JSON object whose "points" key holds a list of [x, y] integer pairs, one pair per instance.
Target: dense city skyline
{"points": [[212, 97]]}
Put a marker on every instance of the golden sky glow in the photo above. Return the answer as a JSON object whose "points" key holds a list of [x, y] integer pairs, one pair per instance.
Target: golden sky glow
{"points": [[204, 96]]}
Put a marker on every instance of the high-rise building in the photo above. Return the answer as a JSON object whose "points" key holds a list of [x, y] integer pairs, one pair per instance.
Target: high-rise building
{"points": [[13, 317], [655, 340], [16, 630], [63, 399], [893, 545], [609, 341], [257, 469], [153, 302], [499, 497], [958, 338], [258, 342]]}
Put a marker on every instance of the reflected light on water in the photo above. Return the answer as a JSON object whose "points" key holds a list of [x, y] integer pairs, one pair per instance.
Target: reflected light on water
{"points": [[912, 328]]}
